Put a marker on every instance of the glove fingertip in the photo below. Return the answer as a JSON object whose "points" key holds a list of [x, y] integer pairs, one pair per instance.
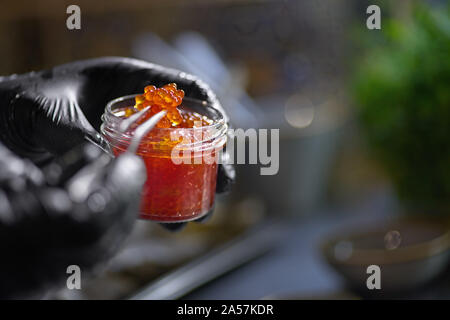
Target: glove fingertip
{"points": [[174, 227], [225, 177]]}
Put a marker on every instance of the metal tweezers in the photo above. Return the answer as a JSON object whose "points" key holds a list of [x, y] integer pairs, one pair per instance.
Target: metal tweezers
{"points": [[141, 130]]}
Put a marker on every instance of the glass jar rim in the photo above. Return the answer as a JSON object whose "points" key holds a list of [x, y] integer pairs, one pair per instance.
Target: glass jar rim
{"points": [[111, 122]]}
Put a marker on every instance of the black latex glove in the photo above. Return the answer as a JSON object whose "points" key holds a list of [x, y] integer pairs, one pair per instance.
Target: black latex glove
{"points": [[76, 211], [48, 112], [44, 115]]}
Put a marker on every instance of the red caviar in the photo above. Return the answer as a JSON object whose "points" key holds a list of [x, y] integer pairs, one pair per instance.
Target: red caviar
{"points": [[173, 191], [169, 98]]}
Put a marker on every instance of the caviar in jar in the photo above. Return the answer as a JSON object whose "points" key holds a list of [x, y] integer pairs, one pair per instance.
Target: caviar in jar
{"points": [[180, 153]]}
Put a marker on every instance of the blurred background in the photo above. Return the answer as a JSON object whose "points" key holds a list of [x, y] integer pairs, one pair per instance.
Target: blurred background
{"points": [[364, 119]]}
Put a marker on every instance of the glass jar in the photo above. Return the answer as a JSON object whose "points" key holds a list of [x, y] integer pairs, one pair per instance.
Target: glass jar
{"points": [[181, 163]]}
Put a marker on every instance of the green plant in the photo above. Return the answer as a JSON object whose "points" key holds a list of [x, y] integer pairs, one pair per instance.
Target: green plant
{"points": [[402, 93]]}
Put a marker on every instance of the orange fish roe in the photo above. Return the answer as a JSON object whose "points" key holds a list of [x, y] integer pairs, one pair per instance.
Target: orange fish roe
{"points": [[167, 98]]}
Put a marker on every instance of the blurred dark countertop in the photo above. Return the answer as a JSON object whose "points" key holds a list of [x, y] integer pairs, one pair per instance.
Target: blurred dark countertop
{"points": [[296, 268]]}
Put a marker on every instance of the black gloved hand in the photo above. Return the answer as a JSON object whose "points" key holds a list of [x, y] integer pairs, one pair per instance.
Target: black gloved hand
{"points": [[45, 114], [74, 212]]}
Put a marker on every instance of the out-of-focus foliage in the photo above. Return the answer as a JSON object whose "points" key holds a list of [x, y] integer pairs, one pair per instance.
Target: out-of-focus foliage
{"points": [[402, 94]]}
